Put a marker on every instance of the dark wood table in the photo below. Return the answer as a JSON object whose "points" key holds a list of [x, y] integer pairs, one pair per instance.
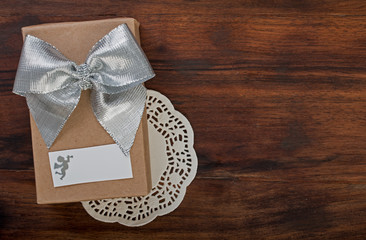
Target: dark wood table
{"points": [[275, 91]]}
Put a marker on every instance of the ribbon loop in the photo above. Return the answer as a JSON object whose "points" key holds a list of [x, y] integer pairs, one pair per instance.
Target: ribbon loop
{"points": [[114, 70]]}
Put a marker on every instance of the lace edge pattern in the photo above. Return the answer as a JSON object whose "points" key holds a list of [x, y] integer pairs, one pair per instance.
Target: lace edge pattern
{"points": [[179, 172]]}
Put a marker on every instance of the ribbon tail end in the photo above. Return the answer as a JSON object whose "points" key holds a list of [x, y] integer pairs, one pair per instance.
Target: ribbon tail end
{"points": [[125, 152]]}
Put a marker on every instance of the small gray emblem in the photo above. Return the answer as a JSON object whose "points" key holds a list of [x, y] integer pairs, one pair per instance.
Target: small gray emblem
{"points": [[63, 164]]}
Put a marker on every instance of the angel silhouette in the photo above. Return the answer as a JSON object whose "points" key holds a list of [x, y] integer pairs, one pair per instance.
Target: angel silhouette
{"points": [[63, 164]]}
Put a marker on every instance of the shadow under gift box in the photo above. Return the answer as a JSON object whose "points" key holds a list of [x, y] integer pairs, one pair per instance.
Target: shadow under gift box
{"points": [[74, 40]]}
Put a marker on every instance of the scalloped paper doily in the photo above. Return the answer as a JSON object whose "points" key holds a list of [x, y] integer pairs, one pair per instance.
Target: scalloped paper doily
{"points": [[173, 167]]}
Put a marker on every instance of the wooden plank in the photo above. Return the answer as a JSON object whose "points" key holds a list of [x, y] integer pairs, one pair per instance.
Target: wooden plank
{"points": [[209, 7], [222, 208]]}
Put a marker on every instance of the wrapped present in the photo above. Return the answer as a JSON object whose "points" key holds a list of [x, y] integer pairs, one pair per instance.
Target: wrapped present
{"points": [[83, 82]]}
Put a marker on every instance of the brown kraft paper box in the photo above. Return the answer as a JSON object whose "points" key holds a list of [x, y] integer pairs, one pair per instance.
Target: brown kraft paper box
{"points": [[74, 40]]}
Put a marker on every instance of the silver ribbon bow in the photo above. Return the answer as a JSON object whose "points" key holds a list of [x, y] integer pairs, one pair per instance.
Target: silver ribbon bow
{"points": [[114, 70]]}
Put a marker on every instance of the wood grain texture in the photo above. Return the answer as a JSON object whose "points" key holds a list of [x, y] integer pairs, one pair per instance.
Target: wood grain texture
{"points": [[275, 92]]}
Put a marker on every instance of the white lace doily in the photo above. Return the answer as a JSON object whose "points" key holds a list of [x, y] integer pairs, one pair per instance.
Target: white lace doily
{"points": [[173, 167]]}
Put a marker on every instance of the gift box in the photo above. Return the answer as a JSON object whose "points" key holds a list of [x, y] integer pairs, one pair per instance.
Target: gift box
{"points": [[82, 130]]}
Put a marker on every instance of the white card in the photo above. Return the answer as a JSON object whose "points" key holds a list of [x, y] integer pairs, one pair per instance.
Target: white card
{"points": [[92, 164]]}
